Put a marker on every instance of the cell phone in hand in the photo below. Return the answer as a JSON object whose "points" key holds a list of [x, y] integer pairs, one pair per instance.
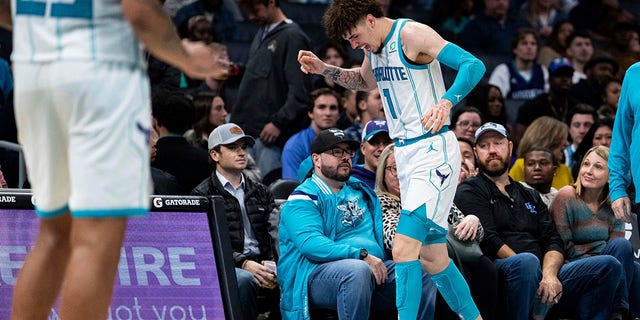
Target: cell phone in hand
{"points": [[270, 265]]}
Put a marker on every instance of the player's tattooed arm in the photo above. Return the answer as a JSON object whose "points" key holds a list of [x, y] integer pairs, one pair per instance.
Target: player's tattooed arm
{"points": [[349, 78]]}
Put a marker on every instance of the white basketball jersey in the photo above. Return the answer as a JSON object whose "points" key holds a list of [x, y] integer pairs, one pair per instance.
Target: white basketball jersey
{"points": [[408, 90], [88, 30]]}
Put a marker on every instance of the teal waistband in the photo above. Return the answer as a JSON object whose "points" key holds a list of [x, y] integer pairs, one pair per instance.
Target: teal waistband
{"points": [[405, 142]]}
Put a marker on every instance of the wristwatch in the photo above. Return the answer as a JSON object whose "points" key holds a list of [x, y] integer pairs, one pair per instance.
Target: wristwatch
{"points": [[363, 253]]}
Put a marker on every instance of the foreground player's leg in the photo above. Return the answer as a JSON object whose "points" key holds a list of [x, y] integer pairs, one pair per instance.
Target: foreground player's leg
{"points": [[41, 276], [95, 252], [449, 281], [408, 273]]}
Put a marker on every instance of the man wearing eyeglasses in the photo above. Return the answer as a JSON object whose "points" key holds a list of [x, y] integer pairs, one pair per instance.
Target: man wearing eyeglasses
{"points": [[248, 205], [331, 242]]}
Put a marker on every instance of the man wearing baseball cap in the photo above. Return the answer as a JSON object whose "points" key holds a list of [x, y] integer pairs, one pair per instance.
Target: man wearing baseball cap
{"points": [[375, 137], [248, 205], [523, 242], [331, 241]]}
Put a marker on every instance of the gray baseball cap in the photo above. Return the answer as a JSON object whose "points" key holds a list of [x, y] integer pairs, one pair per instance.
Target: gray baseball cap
{"points": [[228, 133]]}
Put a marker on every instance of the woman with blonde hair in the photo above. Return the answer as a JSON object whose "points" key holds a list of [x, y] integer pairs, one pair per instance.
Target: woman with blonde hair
{"points": [[552, 134], [585, 221]]}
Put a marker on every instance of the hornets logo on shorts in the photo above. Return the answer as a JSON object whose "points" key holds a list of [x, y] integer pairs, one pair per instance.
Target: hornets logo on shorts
{"points": [[440, 176]]}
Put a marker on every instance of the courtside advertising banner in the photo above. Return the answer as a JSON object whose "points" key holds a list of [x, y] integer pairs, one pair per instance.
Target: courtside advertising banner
{"points": [[167, 268]]}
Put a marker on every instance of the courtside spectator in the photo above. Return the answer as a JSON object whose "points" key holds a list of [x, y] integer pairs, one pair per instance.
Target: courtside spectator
{"points": [[248, 205]]}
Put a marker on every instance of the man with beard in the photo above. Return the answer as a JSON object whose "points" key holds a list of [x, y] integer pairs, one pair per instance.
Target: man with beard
{"points": [[527, 250], [331, 242]]}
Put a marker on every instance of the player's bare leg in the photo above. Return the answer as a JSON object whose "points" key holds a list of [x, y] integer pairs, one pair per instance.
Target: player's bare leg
{"points": [[95, 253], [40, 277], [434, 257]]}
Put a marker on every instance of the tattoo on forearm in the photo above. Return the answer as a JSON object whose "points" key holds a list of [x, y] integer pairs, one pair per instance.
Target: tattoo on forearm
{"points": [[350, 79]]}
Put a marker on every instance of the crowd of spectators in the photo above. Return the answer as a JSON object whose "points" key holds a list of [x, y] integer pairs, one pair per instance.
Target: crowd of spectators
{"points": [[554, 75]]}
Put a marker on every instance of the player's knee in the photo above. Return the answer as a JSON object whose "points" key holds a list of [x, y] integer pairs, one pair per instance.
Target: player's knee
{"points": [[54, 242], [98, 233], [54, 236], [405, 248]]}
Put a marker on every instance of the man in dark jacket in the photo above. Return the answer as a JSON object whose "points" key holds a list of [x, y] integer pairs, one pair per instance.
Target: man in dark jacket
{"points": [[527, 250], [273, 94], [248, 205]]}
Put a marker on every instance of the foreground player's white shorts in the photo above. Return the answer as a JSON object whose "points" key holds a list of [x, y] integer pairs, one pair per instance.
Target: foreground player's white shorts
{"points": [[84, 127], [428, 170]]}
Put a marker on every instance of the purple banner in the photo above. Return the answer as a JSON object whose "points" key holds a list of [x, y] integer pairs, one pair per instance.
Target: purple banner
{"points": [[167, 269]]}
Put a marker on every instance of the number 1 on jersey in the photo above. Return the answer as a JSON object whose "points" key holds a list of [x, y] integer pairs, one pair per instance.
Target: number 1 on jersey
{"points": [[392, 110]]}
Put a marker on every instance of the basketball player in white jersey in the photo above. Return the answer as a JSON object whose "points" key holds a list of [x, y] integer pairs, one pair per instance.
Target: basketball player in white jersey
{"points": [[402, 58], [82, 107]]}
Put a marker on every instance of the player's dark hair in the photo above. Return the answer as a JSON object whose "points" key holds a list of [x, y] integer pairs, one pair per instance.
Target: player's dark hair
{"points": [[343, 15]]}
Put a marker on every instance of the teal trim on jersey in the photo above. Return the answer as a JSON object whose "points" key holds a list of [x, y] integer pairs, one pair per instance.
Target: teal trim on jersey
{"points": [[58, 39], [416, 98], [110, 213], [404, 61], [390, 34], [31, 42], [405, 142], [444, 146], [434, 91], [137, 54], [47, 214], [92, 39], [397, 103]]}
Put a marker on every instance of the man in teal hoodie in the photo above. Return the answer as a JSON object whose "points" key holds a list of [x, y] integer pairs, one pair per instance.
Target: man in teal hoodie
{"points": [[624, 148], [331, 242]]}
